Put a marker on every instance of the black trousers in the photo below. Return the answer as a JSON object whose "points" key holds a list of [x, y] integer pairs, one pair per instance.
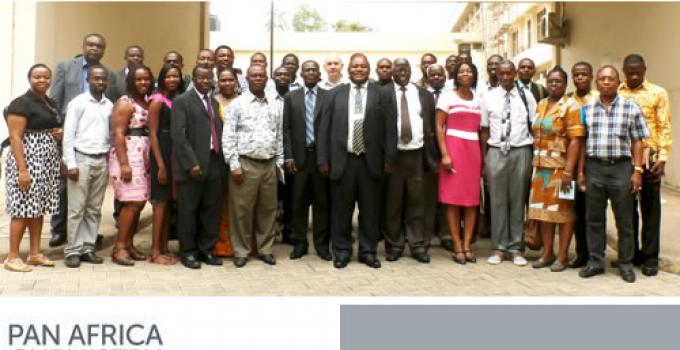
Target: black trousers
{"points": [[405, 199], [355, 186], [609, 182], [650, 213], [580, 226], [199, 208], [58, 221], [311, 188]]}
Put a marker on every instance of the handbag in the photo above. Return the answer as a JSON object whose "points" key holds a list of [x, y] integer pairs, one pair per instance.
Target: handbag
{"points": [[532, 236]]}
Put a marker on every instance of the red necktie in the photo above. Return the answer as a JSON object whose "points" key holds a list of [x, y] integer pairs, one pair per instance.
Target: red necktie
{"points": [[213, 131]]}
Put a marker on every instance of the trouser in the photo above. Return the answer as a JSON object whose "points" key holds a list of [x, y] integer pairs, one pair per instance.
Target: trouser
{"points": [[85, 197], [405, 203], [435, 221], [508, 178], [199, 207], [311, 188], [252, 207], [609, 181], [580, 226], [356, 185], [58, 221], [650, 213]]}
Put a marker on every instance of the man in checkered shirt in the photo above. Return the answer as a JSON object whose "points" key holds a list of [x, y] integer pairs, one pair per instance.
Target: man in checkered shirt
{"points": [[615, 128]]}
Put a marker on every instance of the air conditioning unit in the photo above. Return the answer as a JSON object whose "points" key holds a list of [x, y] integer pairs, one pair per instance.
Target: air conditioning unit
{"points": [[552, 30]]}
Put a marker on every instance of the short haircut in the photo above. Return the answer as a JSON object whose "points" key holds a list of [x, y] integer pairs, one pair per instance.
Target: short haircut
{"points": [[281, 68], [130, 79], [135, 46], [254, 67], [35, 66], [96, 66], [582, 64], [223, 47], [290, 55], [258, 54], [526, 59], [434, 66], [558, 69], [95, 35], [332, 56], [179, 55], [164, 71], [384, 59], [199, 66], [357, 54], [507, 63], [611, 67], [494, 55], [205, 50], [634, 58], [428, 54], [310, 61], [475, 74]]}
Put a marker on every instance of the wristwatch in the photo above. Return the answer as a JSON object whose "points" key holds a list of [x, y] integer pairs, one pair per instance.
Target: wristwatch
{"points": [[639, 169]]}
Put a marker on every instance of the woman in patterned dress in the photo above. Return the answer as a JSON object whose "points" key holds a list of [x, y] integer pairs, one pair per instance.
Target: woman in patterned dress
{"points": [[170, 84], [227, 85], [558, 132], [457, 129], [129, 160], [32, 168]]}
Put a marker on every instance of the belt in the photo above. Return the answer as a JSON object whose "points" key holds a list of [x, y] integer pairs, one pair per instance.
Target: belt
{"points": [[310, 148], [257, 159], [137, 132], [610, 161], [465, 135], [96, 155], [511, 147]]}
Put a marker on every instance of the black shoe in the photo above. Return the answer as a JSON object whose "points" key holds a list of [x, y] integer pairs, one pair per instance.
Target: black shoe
{"points": [[72, 261], [649, 270], [190, 262], [57, 239], [99, 242], [370, 260], [341, 263], [628, 275], [268, 259], [240, 261], [286, 236], [211, 259], [590, 271], [578, 262], [324, 255], [392, 255], [91, 258], [422, 257], [447, 244], [298, 252]]}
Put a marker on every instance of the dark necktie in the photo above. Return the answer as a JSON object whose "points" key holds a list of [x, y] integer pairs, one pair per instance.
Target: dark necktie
{"points": [[437, 92], [213, 132], [405, 119]]}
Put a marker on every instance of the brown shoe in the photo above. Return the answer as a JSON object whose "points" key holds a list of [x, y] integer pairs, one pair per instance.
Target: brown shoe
{"points": [[16, 265], [39, 260], [121, 257]]}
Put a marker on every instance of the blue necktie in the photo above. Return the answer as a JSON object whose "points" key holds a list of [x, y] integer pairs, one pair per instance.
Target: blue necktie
{"points": [[358, 101], [310, 103]]}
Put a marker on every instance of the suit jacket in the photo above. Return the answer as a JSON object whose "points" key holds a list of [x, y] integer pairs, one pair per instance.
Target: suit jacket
{"points": [[68, 83], [120, 87], [539, 92], [380, 131], [190, 133], [295, 124], [431, 157]]}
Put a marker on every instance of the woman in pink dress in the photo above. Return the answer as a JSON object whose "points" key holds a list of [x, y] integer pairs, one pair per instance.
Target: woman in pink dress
{"points": [[129, 160], [457, 129]]}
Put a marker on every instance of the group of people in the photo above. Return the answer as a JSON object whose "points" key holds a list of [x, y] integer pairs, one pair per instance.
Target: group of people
{"points": [[215, 150]]}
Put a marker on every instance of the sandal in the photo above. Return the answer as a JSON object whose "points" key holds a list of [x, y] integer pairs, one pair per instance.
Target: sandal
{"points": [[39, 260], [163, 259], [459, 257], [469, 256], [16, 265], [136, 254], [126, 260]]}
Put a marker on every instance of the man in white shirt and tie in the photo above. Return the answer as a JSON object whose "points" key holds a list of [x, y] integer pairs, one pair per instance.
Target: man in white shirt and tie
{"points": [[507, 143], [86, 145]]}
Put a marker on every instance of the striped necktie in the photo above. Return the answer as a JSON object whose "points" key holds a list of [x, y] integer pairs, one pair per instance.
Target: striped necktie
{"points": [[310, 103]]}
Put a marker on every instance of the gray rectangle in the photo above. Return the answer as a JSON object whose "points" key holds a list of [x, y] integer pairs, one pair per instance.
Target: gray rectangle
{"points": [[525, 327]]}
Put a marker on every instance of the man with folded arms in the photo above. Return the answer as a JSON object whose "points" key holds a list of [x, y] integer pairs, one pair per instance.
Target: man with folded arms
{"points": [[86, 145]]}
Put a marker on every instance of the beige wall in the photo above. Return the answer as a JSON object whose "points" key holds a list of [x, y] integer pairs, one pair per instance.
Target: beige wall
{"points": [[157, 26], [604, 33]]}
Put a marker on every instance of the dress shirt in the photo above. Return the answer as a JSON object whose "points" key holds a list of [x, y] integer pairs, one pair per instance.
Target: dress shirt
{"points": [[609, 133], [492, 117], [413, 100], [327, 85], [253, 129], [653, 100], [86, 128], [294, 85], [202, 97], [354, 116]]}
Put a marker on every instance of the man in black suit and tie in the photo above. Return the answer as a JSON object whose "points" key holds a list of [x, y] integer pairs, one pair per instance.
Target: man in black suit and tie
{"points": [[134, 56], [357, 146], [301, 118], [196, 133], [406, 202], [70, 80]]}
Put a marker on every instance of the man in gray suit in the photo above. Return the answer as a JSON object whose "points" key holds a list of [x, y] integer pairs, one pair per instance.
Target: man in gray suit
{"points": [[70, 80], [134, 56]]}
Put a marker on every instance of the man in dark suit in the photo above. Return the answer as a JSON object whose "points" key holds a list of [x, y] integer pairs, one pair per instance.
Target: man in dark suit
{"points": [[301, 118], [134, 56], [70, 80], [405, 190], [525, 72], [196, 133], [357, 146]]}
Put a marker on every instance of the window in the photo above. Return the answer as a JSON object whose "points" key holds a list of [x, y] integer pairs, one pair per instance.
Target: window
{"points": [[515, 43], [529, 33], [542, 21]]}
